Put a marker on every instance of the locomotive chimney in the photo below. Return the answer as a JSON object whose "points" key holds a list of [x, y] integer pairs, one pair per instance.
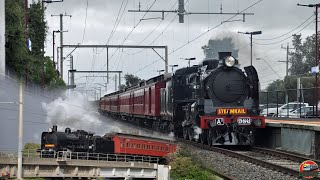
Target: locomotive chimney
{"points": [[224, 54], [54, 128]]}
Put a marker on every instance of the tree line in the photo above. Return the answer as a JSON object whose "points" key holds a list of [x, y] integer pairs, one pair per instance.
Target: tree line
{"points": [[301, 60], [20, 60]]}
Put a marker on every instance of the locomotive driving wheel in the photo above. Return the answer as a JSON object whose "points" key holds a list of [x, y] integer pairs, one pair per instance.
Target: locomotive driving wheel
{"points": [[211, 138], [191, 133], [203, 137], [185, 132]]}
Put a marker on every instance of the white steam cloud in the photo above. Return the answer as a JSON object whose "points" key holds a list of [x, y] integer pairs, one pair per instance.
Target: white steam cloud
{"points": [[197, 132], [76, 112], [72, 111]]}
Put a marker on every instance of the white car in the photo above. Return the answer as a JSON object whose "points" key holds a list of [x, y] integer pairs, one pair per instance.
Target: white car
{"points": [[297, 113], [284, 109]]}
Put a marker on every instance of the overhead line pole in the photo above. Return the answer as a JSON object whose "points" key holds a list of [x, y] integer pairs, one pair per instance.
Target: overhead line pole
{"points": [[61, 42], [316, 54]]}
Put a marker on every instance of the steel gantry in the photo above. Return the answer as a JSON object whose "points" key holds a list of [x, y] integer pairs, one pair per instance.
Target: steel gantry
{"points": [[165, 59]]}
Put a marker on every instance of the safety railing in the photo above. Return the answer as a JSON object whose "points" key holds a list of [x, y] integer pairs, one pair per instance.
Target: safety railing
{"points": [[68, 155]]}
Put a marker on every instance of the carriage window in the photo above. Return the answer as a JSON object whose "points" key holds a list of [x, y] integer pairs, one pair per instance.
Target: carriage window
{"points": [[148, 146], [157, 148], [162, 148], [152, 147], [167, 149], [128, 145], [138, 146], [133, 145], [143, 146]]}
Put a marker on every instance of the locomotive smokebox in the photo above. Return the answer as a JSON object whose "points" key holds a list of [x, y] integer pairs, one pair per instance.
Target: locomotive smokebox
{"points": [[222, 55], [54, 128]]}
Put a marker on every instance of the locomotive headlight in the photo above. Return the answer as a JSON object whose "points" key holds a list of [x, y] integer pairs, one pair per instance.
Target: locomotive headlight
{"points": [[230, 61], [257, 122]]}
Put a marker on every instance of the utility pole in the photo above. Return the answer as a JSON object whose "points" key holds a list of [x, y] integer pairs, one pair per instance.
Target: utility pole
{"points": [[287, 71], [2, 38], [287, 61], [20, 134], [189, 59], [71, 68], [61, 42], [115, 81], [316, 54], [251, 33]]}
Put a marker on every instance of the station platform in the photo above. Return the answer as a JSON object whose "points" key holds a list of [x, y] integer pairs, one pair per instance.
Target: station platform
{"points": [[310, 124], [301, 136]]}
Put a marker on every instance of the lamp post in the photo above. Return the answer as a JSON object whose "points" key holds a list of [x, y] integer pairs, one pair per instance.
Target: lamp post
{"points": [[251, 33], [159, 71], [316, 54], [172, 66], [189, 59]]}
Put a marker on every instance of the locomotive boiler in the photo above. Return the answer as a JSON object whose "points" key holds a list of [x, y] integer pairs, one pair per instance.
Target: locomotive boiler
{"points": [[214, 102]]}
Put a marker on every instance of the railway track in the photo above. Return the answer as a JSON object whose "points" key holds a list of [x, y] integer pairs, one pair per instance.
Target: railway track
{"points": [[270, 159]]}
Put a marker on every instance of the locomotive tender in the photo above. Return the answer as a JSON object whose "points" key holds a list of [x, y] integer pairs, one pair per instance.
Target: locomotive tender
{"points": [[113, 143], [215, 99]]}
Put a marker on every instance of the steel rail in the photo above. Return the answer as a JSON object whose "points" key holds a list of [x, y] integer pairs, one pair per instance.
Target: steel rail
{"points": [[246, 158], [293, 157]]}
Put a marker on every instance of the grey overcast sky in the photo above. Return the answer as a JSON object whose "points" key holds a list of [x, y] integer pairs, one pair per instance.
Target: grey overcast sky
{"points": [[92, 22]]}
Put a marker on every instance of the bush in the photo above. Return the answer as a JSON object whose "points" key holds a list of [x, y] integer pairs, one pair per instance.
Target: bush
{"points": [[183, 167]]}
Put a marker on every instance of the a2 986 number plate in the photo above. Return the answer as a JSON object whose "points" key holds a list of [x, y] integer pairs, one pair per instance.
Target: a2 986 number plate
{"points": [[244, 121]]}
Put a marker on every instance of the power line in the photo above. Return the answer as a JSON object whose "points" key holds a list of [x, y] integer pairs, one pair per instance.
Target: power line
{"points": [[133, 28], [262, 39], [115, 26], [265, 44], [194, 39], [199, 35]]}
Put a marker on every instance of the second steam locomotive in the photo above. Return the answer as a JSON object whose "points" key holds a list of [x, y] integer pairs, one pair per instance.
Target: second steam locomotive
{"points": [[215, 100]]}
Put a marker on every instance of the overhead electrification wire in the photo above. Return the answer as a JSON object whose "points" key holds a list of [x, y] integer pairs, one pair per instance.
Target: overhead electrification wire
{"points": [[117, 21], [199, 36], [194, 39], [265, 44], [129, 33], [265, 39], [134, 28]]}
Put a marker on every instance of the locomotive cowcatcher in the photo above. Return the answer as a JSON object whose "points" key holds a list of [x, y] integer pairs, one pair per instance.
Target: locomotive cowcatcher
{"points": [[215, 102]]}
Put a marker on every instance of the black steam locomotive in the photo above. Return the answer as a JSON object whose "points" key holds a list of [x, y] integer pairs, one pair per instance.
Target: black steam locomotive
{"points": [[215, 102], [75, 141]]}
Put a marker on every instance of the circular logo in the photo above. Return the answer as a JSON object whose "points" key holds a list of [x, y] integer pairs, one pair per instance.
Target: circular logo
{"points": [[309, 169]]}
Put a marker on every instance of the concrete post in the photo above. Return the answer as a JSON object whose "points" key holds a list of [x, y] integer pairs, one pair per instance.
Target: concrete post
{"points": [[2, 38], [20, 134]]}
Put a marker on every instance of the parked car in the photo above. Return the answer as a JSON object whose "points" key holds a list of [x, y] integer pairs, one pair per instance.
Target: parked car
{"points": [[283, 109], [270, 105], [311, 114], [297, 113]]}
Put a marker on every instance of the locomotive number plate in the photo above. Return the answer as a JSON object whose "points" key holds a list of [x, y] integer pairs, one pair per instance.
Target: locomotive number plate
{"points": [[219, 121], [244, 121]]}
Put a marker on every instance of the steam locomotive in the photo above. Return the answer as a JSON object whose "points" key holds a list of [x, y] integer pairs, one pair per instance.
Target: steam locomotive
{"points": [[77, 141], [215, 100]]}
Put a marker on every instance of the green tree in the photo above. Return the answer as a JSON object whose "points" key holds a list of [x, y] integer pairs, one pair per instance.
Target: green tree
{"points": [[16, 52], [131, 80], [297, 60], [19, 59]]}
